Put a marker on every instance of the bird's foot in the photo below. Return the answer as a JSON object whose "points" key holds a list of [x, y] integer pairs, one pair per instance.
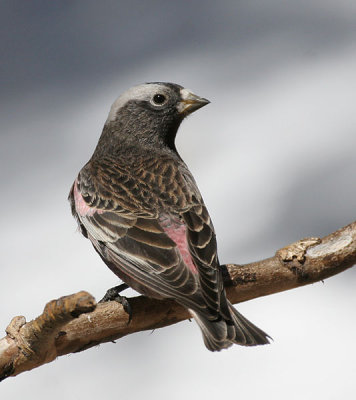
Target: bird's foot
{"points": [[113, 294]]}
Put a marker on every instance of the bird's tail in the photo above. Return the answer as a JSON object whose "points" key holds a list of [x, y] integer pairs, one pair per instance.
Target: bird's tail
{"points": [[222, 333]]}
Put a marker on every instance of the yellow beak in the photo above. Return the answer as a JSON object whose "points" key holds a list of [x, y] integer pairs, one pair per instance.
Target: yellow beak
{"points": [[190, 102]]}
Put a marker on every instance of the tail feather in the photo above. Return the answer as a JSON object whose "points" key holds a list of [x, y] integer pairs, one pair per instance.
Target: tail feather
{"points": [[215, 333], [223, 333], [246, 333]]}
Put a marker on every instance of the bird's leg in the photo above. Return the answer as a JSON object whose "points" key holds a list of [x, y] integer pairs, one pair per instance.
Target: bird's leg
{"points": [[113, 294]]}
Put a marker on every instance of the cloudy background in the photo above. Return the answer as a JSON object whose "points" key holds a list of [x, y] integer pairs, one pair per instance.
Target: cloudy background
{"points": [[274, 156]]}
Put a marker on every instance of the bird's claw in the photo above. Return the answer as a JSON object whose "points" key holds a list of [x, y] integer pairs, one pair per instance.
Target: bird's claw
{"points": [[113, 294], [126, 306]]}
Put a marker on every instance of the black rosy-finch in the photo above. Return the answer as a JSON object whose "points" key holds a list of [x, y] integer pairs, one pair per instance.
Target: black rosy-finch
{"points": [[139, 205]]}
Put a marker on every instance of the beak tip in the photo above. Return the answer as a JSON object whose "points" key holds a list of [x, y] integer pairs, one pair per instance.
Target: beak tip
{"points": [[190, 102]]}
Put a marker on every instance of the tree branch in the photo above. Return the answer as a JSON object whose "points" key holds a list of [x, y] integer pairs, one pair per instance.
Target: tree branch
{"points": [[75, 323]]}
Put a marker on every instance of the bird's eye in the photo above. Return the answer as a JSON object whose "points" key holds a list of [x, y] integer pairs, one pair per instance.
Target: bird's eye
{"points": [[159, 99]]}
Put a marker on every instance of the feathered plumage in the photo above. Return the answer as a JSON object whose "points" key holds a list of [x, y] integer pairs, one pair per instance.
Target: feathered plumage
{"points": [[140, 207]]}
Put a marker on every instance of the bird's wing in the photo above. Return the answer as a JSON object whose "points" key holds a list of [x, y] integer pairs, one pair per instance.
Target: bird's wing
{"points": [[152, 227], [203, 249]]}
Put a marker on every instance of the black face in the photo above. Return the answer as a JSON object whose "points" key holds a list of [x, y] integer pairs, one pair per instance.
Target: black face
{"points": [[148, 116], [153, 119], [162, 98]]}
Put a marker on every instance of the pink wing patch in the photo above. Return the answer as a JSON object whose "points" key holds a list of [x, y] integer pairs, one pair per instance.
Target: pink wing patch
{"points": [[177, 231], [81, 206]]}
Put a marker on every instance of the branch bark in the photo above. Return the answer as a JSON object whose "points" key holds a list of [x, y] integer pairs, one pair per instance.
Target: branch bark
{"points": [[75, 323]]}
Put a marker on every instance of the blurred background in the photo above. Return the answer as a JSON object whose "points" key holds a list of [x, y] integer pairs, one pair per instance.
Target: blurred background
{"points": [[273, 154]]}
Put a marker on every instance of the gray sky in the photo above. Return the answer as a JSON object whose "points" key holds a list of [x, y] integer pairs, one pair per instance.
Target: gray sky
{"points": [[273, 155]]}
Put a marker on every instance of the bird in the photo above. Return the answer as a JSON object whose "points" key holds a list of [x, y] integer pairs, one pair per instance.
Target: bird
{"points": [[139, 205]]}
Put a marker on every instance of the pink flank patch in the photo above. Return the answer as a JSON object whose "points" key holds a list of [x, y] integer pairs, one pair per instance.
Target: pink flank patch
{"points": [[177, 231], [81, 206]]}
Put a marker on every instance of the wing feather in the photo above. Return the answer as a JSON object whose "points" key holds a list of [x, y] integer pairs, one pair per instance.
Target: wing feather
{"points": [[127, 224]]}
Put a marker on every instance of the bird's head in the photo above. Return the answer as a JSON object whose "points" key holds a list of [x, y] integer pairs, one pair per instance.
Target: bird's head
{"points": [[156, 99], [151, 113]]}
